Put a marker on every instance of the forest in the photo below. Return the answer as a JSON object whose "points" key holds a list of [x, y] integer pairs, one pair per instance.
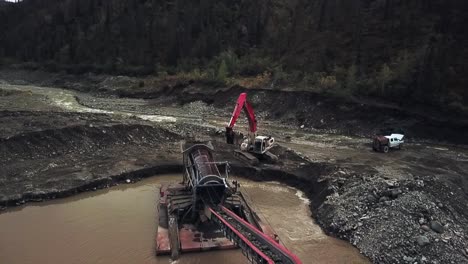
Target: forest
{"points": [[408, 50]]}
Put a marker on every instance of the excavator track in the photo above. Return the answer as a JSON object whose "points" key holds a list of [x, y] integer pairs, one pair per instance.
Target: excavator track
{"points": [[251, 159]]}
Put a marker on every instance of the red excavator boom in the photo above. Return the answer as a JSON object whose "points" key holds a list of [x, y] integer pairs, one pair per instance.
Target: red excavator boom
{"points": [[242, 103]]}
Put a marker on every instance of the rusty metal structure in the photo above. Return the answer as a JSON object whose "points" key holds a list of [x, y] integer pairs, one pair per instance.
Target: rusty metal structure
{"points": [[206, 212], [202, 175]]}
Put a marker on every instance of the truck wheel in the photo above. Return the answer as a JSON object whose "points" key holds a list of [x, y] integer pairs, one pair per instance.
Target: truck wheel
{"points": [[385, 149]]}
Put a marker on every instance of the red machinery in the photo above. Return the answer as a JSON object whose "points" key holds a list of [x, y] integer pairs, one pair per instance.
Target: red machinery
{"points": [[206, 212], [257, 145]]}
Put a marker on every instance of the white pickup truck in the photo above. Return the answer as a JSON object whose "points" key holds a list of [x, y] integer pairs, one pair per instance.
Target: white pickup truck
{"points": [[383, 143]]}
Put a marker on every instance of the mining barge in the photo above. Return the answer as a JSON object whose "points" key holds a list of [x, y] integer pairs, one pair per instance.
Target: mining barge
{"points": [[205, 212]]}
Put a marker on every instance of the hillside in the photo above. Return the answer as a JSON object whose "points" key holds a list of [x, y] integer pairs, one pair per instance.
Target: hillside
{"points": [[389, 48]]}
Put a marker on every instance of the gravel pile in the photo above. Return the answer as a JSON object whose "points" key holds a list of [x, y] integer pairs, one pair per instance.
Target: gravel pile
{"points": [[397, 221], [199, 108]]}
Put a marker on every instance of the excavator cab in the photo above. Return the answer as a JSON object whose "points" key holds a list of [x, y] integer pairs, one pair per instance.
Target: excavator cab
{"points": [[259, 145], [262, 144]]}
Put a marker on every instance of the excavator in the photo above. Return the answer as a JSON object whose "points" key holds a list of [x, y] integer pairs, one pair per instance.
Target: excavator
{"points": [[253, 147]]}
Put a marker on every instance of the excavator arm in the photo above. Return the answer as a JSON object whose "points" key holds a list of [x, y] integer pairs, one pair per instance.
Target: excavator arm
{"points": [[242, 103]]}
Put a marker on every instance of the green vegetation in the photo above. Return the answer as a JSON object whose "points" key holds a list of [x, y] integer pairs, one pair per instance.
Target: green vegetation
{"points": [[222, 71], [412, 49]]}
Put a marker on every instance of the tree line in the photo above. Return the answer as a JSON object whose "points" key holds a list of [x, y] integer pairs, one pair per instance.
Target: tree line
{"points": [[409, 48]]}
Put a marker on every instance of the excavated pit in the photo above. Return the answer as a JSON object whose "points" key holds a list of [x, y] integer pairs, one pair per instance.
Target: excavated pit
{"points": [[89, 157], [134, 207], [81, 151]]}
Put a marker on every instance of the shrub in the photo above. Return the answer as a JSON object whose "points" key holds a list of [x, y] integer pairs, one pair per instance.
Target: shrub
{"points": [[254, 64], [328, 82], [231, 60], [259, 81], [222, 71]]}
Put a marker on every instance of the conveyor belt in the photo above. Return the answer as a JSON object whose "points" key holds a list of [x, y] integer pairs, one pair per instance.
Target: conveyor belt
{"points": [[256, 246]]}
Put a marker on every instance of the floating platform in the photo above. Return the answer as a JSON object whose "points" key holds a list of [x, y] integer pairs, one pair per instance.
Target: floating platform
{"points": [[201, 235], [207, 212]]}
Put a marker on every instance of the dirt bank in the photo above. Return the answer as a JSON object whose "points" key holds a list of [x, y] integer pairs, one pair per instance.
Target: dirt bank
{"points": [[50, 160], [325, 114], [74, 152], [317, 112]]}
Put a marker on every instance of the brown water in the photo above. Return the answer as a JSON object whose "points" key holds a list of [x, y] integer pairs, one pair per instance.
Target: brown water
{"points": [[118, 225]]}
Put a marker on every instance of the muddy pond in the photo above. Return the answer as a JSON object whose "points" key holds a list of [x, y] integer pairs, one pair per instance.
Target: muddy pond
{"points": [[118, 225]]}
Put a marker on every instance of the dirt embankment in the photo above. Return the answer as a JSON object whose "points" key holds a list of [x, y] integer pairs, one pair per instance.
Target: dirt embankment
{"points": [[316, 112], [46, 160], [49, 160]]}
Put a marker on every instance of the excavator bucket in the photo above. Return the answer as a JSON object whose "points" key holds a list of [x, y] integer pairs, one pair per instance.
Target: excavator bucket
{"points": [[229, 135]]}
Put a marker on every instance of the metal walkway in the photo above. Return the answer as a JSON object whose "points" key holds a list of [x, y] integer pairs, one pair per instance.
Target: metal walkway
{"points": [[256, 246]]}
